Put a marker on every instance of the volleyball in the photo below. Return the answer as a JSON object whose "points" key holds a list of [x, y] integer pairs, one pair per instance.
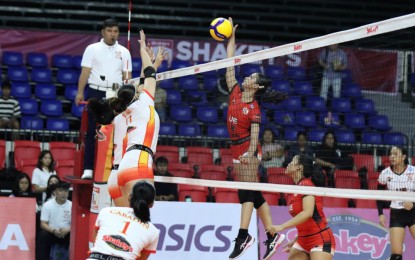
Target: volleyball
{"points": [[220, 29]]}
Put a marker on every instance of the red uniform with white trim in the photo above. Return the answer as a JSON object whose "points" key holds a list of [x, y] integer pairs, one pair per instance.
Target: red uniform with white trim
{"points": [[240, 117], [122, 234], [313, 234]]}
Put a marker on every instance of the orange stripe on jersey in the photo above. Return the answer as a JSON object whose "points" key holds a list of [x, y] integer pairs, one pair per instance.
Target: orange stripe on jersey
{"points": [[114, 191], [149, 251], [131, 174], [124, 144], [148, 93], [148, 138]]}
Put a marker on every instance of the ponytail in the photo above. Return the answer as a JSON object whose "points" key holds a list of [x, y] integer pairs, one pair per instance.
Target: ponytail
{"points": [[102, 111], [142, 211], [143, 195], [267, 93], [312, 170]]}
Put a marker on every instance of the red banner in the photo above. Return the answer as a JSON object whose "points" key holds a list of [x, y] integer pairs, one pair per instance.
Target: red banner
{"points": [[17, 228], [373, 70]]}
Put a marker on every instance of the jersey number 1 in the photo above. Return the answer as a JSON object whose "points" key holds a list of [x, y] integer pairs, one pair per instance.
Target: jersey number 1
{"points": [[126, 225]]}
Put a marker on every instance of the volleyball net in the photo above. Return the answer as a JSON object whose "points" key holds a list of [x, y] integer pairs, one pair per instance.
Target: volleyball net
{"points": [[355, 90]]}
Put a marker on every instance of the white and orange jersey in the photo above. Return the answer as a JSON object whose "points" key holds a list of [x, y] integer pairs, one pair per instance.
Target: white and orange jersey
{"points": [[143, 122], [122, 234], [120, 137]]}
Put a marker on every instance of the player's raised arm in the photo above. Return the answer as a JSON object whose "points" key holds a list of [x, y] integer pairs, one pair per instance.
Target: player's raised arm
{"points": [[149, 71], [230, 71]]}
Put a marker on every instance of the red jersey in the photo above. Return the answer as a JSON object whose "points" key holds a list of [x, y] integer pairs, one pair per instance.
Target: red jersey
{"points": [[240, 117], [317, 222]]}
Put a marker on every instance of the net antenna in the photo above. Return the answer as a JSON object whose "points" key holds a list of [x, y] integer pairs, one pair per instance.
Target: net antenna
{"points": [[130, 7]]}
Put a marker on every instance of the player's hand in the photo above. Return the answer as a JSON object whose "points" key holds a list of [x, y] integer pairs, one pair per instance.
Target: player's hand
{"points": [[234, 27], [142, 40], [382, 220], [278, 228], [244, 159], [150, 52], [287, 247], [408, 205], [162, 55], [79, 97]]}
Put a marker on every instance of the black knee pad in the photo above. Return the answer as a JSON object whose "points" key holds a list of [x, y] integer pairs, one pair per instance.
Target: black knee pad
{"points": [[245, 196], [149, 72], [396, 257], [258, 199]]}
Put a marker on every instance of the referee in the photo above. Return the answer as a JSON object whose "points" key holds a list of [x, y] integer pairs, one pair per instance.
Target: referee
{"points": [[104, 64]]}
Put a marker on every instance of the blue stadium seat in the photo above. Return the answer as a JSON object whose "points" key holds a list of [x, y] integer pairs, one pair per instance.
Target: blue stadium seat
{"points": [[290, 133], [181, 113], [296, 73], [284, 118], [210, 82], [355, 121], [179, 64], [163, 67], [37, 60], [306, 119], [189, 130], [70, 92], [365, 106], [188, 83], [281, 85], [352, 90], [17, 74], [12, 58], [166, 84], [249, 69], [21, 90], [304, 88], [220, 131], [372, 138], [167, 129], [225, 114], [41, 75], [28, 106], [271, 106], [316, 135], [379, 122], [345, 136], [32, 123], [315, 103], [347, 77], [292, 103], [342, 105], [330, 119], [174, 97], [45, 91], [395, 138], [136, 64], [412, 79], [196, 98], [264, 117], [77, 110], [62, 61], [135, 74], [67, 76], [274, 71], [51, 108], [76, 62], [57, 124], [207, 114]]}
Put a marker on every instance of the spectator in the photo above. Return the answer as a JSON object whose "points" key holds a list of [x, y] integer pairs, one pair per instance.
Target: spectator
{"points": [[333, 60], [44, 169], [329, 157], [55, 221], [301, 147], [9, 108], [160, 102], [50, 189], [22, 187], [165, 191], [272, 154], [104, 64]]}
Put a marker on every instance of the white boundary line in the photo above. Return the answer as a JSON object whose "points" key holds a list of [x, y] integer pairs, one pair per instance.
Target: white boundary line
{"points": [[364, 31], [317, 191]]}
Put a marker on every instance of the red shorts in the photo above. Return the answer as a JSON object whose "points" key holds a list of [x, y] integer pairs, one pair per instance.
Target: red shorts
{"points": [[322, 242]]}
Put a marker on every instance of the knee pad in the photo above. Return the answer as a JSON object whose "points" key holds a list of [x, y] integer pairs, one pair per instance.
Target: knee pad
{"points": [[149, 72], [258, 199], [396, 257], [245, 196]]}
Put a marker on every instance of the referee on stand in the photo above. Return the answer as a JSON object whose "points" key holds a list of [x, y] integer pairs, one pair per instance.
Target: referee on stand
{"points": [[104, 64]]}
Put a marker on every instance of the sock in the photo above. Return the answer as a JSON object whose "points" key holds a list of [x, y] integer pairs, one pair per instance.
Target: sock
{"points": [[396, 257], [243, 233], [269, 236]]}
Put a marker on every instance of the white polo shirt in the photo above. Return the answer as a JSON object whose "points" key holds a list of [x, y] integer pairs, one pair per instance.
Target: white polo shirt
{"points": [[57, 216], [107, 61]]}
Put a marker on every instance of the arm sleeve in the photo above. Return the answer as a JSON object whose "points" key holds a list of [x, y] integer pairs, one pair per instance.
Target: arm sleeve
{"points": [[152, 246], [45, 213], [380, 203], [87, 58]]}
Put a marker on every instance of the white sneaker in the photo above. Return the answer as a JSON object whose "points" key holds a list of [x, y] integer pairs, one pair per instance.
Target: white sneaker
{"points": [[87, 175]]}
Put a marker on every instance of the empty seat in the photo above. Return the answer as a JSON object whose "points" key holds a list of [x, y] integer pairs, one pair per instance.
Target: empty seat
{"points": [[174, 97], [274, 71], [70, 92], [271, 198], [342, 105], [284, 118], [364, 160], [76, 62], [65, 168], [67, 76], [41, 75], [249, 69], [219, 131], [372, 138], [345, 136], [210, 83], [212, 172], [196, 193], [365, 204], [28, 166], [167, 129], [395, 138], [199, 155], [45, 91], [304, 88], [28, 106], [39, 60], [170, 152], [136, 64], [365, 106], [166, 84], [181, 113], [196, 98], [12, 58], [62, 61], [316, 135], [290, 133], [189, 130], [77, 110], [17, 74], [345, 179], [346, 76], [355, 121], [57, 124], [180, 170], [224, 195], [207, 114], [292, 103], [379, 122], [306, 118], [62, 150], [32, 123], [51, 108], [281, 85], [188, 83], [164, 66], [24, 150], [352, 90], [21, 90], [179, 64], [315, 103], [296, 73], [280, 179]]}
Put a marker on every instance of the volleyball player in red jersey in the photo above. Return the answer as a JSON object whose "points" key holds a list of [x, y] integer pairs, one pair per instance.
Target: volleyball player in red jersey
{"points": [[315, 239], [244, 117]]}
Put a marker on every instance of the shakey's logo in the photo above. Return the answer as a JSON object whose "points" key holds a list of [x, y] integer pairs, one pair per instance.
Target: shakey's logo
{"points": [[298, 47], [197, 69], [372, 29], [118, 243], [237, 60]]}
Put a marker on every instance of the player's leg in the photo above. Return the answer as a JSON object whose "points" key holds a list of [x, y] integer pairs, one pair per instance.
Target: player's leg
{"points": [[337, 83], [397, 237], [297, 254], [316, 255], [324, 88], [113, 188]]}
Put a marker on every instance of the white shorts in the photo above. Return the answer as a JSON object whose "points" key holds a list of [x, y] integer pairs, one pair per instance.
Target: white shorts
{"points": [[259, 156]]}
